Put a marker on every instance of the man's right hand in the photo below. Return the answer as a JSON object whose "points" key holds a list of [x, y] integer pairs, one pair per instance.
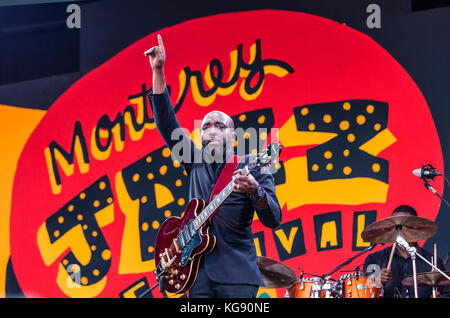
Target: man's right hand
{"points": [[385, 276], [157, 55]]}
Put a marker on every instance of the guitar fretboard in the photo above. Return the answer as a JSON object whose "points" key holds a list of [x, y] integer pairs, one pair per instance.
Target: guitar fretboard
{"points": [[216, 202]]}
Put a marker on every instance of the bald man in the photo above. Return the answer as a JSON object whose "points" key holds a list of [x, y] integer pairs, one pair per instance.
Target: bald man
{"points": [[231, 269]]}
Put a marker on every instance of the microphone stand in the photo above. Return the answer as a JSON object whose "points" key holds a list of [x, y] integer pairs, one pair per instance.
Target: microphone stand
{"points": [[148, 290], [413, 253], [429, 187], [426, 179], [348, 261]]}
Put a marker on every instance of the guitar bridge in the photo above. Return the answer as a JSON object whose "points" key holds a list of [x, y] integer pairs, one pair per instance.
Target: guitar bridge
{"points": [[165, 258], [187, 251]]}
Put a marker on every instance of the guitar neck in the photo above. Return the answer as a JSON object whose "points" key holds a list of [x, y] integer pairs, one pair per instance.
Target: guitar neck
{"points": [[215, 204]]}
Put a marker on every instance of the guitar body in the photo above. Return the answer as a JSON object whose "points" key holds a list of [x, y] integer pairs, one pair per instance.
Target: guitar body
{"points": [[183, 271]]}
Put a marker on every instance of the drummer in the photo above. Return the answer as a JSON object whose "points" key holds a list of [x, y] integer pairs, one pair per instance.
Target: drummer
{"points": [[401, 267]]}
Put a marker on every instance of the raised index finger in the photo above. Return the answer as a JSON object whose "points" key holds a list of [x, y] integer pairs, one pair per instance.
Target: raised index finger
{"points": [[161, 44]]}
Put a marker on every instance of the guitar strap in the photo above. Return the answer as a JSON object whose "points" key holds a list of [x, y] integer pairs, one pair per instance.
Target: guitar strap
{"points": [[224, 178]]}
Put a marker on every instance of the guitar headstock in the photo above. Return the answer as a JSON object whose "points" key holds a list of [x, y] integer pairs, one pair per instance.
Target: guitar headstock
{"points": [[266, 156]]}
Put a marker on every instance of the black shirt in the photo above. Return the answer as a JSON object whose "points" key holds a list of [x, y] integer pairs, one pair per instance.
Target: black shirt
{"points": [[402, 268]]}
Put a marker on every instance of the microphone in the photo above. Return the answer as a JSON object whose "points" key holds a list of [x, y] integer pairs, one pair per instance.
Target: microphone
{"points": [[426, 172]]}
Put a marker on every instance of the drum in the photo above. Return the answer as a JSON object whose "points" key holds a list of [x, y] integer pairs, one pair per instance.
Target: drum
{"points": [[356, 285], [331, 289], [305, 288], [313, 288]]}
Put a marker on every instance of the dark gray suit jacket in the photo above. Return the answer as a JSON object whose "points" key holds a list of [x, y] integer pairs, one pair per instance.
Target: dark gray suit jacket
{"points": [[233, 259]]}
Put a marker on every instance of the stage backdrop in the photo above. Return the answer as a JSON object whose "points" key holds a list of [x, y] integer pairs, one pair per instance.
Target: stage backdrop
{"points": [[93, 179]]}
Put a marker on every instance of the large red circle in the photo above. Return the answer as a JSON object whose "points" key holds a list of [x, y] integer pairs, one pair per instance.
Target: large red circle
{"points": [[331, 62]]}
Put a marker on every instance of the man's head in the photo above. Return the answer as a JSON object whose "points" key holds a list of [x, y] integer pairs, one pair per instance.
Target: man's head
{"points": [[217, 133], [403, 210]]}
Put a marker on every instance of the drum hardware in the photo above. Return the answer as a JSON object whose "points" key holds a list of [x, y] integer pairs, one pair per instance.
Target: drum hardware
{"points": [[316, 289], [352, 285], [304, 287], [427, 278], [358, 285], [413, 254], [355, 284], [328, 288], [322, 286], [348, 261], [309, 274], [275, 274], [397, 293], [433, 279], [402, 229], [313, 275], [411, 228], [352, 270]]}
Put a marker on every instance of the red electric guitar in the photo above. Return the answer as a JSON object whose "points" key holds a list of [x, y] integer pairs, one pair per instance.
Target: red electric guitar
{"points": [[188, 237]]}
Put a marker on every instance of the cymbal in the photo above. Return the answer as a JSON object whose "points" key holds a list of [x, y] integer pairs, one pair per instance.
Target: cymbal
{"points": [[412, 229], [275, 274], [426, 279]]}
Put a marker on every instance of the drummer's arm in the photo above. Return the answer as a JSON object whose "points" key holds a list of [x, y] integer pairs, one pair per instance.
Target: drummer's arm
{"points": [[375, 259], [443, 289]]}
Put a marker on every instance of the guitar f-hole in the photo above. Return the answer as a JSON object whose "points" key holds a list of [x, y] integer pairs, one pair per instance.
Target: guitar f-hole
{"points": [[171, 230]]}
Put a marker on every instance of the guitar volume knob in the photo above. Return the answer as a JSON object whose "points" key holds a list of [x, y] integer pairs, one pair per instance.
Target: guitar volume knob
{"points": [[182, 277]]}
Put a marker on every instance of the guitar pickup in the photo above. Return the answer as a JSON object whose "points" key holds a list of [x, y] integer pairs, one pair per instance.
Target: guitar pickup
{"points": [[181, 240], [186, 236], [192, 229]]}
